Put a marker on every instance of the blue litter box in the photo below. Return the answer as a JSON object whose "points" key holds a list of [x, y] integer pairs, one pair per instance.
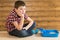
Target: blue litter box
{"points": [[49, 33]]}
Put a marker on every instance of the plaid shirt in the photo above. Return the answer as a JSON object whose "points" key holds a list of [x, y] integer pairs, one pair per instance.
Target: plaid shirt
{"points": [[11, 18]]}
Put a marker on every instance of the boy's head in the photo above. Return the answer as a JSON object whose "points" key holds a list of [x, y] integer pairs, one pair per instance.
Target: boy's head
{"points": [[20, 6]]}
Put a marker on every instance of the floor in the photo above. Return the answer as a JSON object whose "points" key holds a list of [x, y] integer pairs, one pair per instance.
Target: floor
{"points": [[4, 36]]}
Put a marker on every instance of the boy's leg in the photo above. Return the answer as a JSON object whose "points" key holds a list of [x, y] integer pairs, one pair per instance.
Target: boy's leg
{"points": [[14, 33], [32, 27], [21, 33]]}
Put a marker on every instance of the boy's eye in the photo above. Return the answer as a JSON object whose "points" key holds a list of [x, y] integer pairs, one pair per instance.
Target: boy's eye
{"points": [[21, 9]]}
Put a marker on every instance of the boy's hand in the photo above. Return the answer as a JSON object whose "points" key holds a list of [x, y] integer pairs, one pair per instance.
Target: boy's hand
{"points": [[20, 14], [25, 28]]}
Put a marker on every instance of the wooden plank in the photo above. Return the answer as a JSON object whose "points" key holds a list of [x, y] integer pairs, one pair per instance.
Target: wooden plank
{"points": [[41, 11], [7, 0], [57, 13], [40, 4], [46, 25], [40, 14], [45, 3], [41, 23], [49, 26], [41, 19], [34, 4], [28, 4], [29, 8], [47, 19], [25, 0]]}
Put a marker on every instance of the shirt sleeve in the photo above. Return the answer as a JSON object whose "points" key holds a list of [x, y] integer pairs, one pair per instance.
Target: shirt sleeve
{"points": [[11, 19], [25, 16]]}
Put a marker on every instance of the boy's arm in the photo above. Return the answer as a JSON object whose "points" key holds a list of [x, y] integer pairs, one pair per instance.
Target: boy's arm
{"points": [[20, 25], [30, 23]]}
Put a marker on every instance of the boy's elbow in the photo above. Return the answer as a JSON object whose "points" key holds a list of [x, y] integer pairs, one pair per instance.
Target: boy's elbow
{"points": [[31, 21]]}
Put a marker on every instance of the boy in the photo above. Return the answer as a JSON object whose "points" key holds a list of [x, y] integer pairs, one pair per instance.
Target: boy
{"points": [[15, 21]]}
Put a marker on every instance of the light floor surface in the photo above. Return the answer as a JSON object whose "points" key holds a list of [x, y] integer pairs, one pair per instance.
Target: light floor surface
{"points": [[5, 36]]}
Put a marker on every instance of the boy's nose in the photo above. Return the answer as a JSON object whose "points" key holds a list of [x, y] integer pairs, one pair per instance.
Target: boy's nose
{"points": [[23, 11]]}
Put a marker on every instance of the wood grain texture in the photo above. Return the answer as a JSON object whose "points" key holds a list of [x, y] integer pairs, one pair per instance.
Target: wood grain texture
{"points": [[46, 13]]}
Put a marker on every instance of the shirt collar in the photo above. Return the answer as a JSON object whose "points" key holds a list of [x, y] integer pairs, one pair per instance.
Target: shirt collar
{"points": [[14, 13]]}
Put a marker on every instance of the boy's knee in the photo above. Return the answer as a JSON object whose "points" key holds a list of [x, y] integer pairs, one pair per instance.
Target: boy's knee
{"points": [[34, 24]]}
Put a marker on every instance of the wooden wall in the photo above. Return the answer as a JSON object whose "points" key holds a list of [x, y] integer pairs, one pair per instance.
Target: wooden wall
{"points": [[46, 13]]}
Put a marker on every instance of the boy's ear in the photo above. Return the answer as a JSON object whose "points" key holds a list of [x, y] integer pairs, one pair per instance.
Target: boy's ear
{"points": [[16, 9]]}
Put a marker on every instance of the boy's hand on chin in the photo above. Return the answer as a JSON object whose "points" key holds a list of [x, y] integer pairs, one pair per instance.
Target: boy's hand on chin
{"points": [[20, 14]]}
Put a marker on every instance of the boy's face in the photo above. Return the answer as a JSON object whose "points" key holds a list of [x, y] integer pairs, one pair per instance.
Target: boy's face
{"points": [[21, 9]]}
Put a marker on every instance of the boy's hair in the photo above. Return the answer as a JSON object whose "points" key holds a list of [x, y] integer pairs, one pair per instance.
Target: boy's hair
{"points": [[18, 4]]}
